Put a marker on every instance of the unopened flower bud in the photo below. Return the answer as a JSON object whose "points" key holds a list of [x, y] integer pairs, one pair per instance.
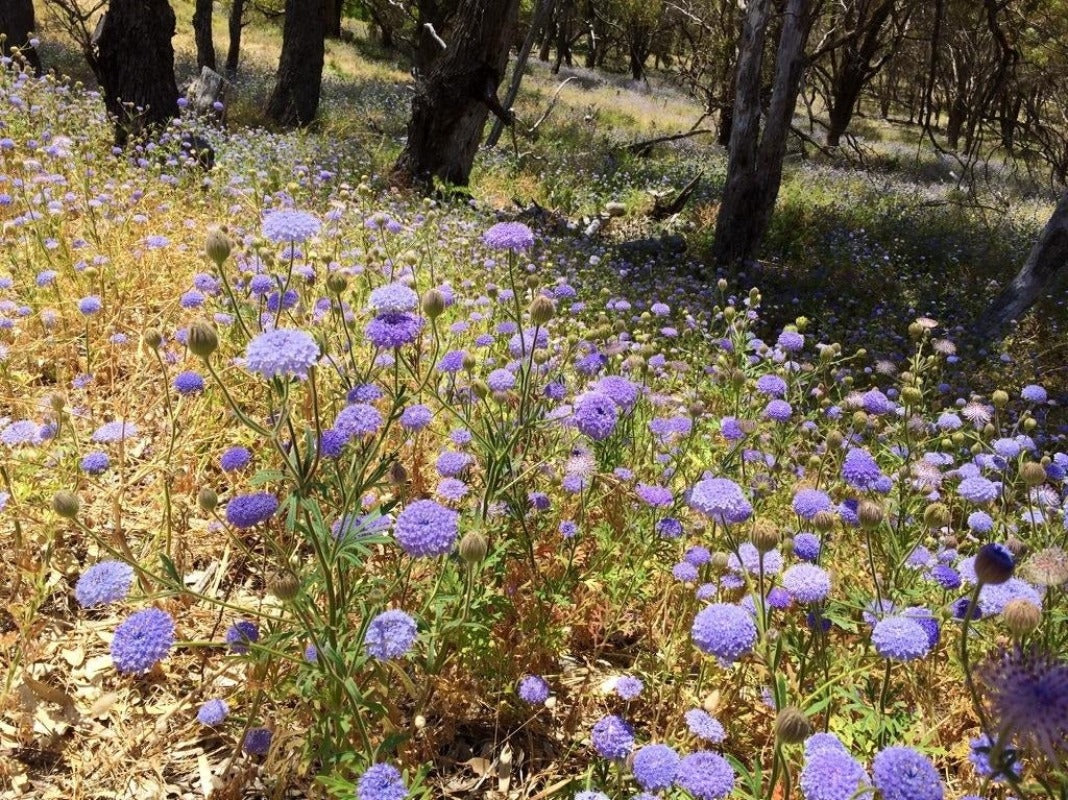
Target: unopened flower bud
{"points": [[202, 340], [473, 547], [153, 338], [792, 726], [1021, 617], [66, 504], [912, 395], [207, 499], [1032, 473], [433, 303], [398, 475], [1000, 398], [936, 515], [285, 586], [870, 514], [993, 564], [337, 282], [542, 309], [824, 521], [217, 246], [764, 537]]}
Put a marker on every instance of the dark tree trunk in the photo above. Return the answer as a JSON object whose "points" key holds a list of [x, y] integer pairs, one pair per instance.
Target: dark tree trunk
{"points": [[134, 62], [17, 23], [638, 56], [843, 102], [335, 10], [235, 23], [452, 101], [958, 113], [726, 122], [754, 166], [542, 12], [295, 99], [1044, 263], [202, 34]]}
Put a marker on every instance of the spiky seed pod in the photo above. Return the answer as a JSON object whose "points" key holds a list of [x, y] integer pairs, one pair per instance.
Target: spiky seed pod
{"points": [[542, 309], [936, 515], [1032, 473], [284, 586], [824, 521], [764, 537], [337, 282], [870, 514], [433, 303]]}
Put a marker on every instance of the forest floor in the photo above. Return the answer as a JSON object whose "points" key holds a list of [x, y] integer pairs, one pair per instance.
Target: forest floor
{"points": [[863, 243]]}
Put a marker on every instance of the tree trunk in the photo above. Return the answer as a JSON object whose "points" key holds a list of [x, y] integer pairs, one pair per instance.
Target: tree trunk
{"points": [[17, 23], [335, 9], [542, 12], [452, 101], [754, 166], [1045, 262], [134, 62], [295, 99], [843, 100], [202, 34], [235, 23]]}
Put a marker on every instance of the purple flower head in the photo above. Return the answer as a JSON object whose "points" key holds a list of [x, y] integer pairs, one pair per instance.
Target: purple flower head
{"points": [[831, 773], [628, 687], [705, 775], [235, 458], [704, 726], [190, 382], [978, 490], [257, 741], [613, 737], [282, 353], [790, 341], [807, 583], [807, 546], [390, 331], [724, 630], [945, 576], [426, 529], [595, 415], [980, 522], [21, 433], [876, 403], [771, 385], [685, 571], [390, 635], [357, 421], [249, 510], [900, 639], [95, 463], [810, 502], [142, 641], [533, 689], [500, 380], [241, 634], [654, 767], [900, 773], [991, 764], [721, 500], [394, 298], [619, 390], [778, 411], [1027, 697], [116, 431], [288, 226], [860, 470], [106, 582], [90, 305], [669, 528], [381, 782], [416, 417], [749, 559], [656, 496], [1033, 394], [451, 464], [213, 712], [514, 236]]}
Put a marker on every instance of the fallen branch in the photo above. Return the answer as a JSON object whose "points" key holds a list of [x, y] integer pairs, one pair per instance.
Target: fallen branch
{"points": [[664, 210], [642, 148], [532, 131]]}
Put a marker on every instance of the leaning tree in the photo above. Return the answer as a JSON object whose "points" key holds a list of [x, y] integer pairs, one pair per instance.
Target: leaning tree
{"points": [[16, 24], [454, 97]]}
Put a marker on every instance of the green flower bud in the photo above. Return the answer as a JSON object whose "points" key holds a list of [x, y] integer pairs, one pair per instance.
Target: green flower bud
{"points": [[202, 340], [207, 500], [217, 246], [792, 726], [66, 504], [433, 303]]}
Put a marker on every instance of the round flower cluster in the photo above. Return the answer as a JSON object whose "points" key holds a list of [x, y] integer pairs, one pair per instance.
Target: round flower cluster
{"points": [[595, 415], [514, 236], [281, 353], [426, 529], [390, 635], [721, 500], [807, 583], [533, 689], [241, 634], [142, 640], [381, 782], [900, 639], [613, 737], [654, 767], [106, 582], [288, 226], [724, 630], [249, 510]]}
